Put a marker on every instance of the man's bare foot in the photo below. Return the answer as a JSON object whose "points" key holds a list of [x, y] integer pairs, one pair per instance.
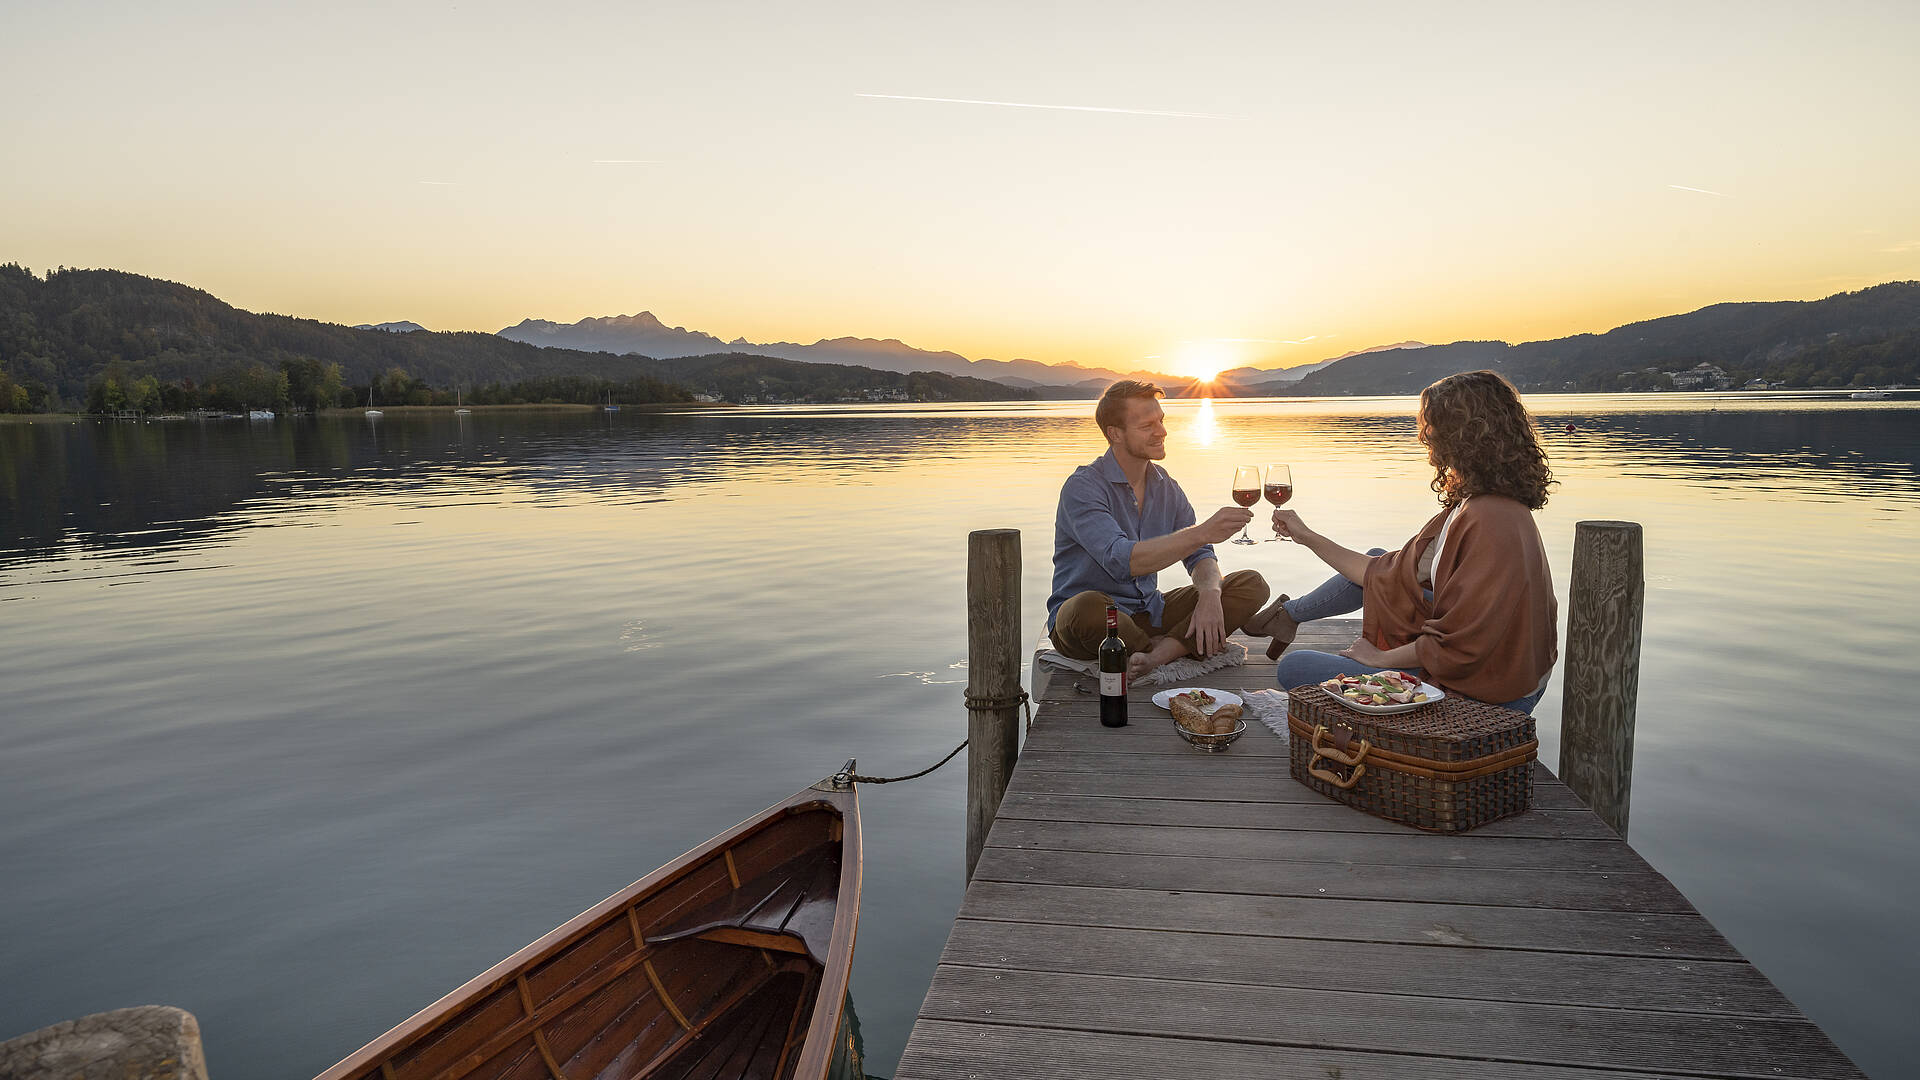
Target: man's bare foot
{"points": [[1137, 666], [1160, 651]]}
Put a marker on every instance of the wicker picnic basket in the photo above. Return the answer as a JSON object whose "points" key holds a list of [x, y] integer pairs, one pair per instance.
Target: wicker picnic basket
{"points": [[1447, 767]]}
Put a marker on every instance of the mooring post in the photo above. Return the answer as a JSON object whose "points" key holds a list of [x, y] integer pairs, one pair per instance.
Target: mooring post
{"points": [[993, 677], [1602, 674]]}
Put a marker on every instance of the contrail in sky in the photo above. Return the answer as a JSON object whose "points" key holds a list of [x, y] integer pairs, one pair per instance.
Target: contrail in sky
{"points": [[1067, 108], [1701, 190], [1255, 340]]}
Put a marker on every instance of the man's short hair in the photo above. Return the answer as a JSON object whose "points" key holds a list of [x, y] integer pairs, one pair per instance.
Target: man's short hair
{"points": [[1112, 410]]}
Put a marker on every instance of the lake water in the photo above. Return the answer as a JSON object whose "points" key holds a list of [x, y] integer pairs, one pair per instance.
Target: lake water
{"points": [[304, 723]]}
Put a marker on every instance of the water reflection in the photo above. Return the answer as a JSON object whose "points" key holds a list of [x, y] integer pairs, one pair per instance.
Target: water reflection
{"points": [[335, 692], [1203, 427], [144, 486]]}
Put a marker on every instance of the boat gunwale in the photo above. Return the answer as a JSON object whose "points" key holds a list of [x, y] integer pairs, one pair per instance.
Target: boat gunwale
{"points": [[819, 1048], [844, 803]]}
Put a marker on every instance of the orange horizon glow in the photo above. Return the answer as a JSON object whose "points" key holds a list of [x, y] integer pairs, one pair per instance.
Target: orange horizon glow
{"points": [[1105, 189]]}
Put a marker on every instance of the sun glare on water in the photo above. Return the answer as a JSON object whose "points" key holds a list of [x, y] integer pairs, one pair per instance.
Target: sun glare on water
{"points": [[1204, 427]]}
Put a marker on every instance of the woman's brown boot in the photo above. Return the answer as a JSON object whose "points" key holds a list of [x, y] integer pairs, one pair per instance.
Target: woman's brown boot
{"points": [[1273, 621]]}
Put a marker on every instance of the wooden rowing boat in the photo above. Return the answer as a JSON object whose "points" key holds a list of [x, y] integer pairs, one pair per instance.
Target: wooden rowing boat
{"points": [[731, 961]]}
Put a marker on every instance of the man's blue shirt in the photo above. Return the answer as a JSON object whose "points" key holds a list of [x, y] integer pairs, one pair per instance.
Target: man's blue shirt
{"points": [[1095, 529]]}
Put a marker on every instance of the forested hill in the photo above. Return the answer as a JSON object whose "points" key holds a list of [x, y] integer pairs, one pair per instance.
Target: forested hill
{"points": [[63, 335], [747, 378], [109, 339], [1866, 338]]}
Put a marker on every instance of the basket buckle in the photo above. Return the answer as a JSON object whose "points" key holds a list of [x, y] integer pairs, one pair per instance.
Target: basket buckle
{"points": [[1355, 761]]}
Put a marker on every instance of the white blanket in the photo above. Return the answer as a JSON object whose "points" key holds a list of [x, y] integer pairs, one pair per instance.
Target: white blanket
{"points": [[1176, 673], [1267, 706]]}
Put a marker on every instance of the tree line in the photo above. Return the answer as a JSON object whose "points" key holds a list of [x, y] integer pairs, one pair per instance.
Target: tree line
{"points": [[311, 384]]}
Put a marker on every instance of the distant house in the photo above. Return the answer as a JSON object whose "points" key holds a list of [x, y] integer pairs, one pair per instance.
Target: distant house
{"points": [[1701, 377], [706, 397]]}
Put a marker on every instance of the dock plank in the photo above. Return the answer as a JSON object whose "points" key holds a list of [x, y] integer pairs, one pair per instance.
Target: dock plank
{"points": [[1574, 890], [1729, 987], [943, 1048], [1617, 933], [1142, 909], [1390, 849], [1322, 816], [1241, 781], [1528, 1033]]}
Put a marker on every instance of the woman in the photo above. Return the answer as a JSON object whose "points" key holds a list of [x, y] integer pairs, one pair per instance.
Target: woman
{"points": [[1468, 602]]}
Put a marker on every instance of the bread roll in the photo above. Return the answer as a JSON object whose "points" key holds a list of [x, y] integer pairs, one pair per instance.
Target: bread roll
{"points": [[1188, 715], [1223, 720]]}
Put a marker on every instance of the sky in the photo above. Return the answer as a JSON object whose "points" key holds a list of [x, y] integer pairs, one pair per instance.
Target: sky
{"points": [[1125, 185]]}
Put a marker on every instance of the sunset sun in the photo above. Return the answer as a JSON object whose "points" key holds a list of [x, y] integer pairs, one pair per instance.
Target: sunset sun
{"points": [[1205, 360]]}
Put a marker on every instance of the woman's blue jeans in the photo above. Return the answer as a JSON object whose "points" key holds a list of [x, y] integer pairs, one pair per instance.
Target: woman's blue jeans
{"points": [[1338, 596]]}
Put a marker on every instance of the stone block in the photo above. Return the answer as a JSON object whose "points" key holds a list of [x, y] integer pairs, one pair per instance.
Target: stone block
{"points": [[148, 1042]]}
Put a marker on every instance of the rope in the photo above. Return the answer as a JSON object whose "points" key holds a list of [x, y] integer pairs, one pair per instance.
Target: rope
{"points": [[857, 778], [1020, 699]]}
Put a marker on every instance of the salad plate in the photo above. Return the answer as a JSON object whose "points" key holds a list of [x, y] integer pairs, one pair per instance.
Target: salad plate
{"points": [[1382, 693]]}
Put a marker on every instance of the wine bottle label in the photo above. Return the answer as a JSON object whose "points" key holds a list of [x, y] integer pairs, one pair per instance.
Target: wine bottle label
{"points": [[1113, 684]]}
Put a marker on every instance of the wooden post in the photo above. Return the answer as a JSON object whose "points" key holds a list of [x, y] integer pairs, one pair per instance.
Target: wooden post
{"points": [[993, 677], [1602, 674]]}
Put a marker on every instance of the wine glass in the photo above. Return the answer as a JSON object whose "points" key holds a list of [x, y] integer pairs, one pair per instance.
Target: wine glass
{"points": [[1246, 492], [1279, 489]]}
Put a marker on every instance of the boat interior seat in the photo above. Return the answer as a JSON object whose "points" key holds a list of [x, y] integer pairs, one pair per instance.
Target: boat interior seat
{"points": [[787, 909]]}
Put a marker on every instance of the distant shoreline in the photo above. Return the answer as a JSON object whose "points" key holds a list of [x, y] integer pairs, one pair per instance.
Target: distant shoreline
{"points": [[423, 410], [667, 407], [405, 410]]}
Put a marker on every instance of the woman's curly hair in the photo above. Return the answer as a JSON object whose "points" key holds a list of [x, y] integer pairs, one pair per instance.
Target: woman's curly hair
{"points": [[1481, 441]]}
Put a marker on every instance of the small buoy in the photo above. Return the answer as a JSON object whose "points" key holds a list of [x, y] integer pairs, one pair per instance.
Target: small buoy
{"points": [[1571, 429]]}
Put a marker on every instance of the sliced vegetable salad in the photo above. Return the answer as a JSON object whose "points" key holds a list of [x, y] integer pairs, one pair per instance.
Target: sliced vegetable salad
{"points": [[1381, 688]]}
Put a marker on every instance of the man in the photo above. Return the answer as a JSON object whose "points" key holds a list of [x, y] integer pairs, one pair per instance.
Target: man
{"points": [[1121, 521]]}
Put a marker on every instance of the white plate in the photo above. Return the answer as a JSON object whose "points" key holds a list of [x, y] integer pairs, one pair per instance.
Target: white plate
{"points": [[1430, 691], [1164, 698]]}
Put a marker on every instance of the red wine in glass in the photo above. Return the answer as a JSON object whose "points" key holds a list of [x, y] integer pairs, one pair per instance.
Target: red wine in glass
{"points": [[1246, 492], [1279, 488]]}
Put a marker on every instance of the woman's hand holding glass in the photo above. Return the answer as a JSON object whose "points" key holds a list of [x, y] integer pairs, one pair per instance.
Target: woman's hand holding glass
{"points": [[1279, 488], [1288, 526]]}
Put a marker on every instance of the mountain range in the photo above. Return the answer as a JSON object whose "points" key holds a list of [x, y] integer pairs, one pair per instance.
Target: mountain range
{"points": [[63, 334], [644, 334], [1868, 337]]}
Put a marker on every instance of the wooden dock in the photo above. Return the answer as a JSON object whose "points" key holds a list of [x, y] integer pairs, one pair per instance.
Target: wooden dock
{"points": [[1141, 909]]}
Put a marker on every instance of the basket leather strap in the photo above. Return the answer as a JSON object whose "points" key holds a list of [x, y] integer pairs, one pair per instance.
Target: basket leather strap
{"points": [[1342, 738], [1355, 762]]}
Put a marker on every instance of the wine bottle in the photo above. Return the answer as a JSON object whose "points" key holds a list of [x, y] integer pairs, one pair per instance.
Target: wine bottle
{"points": [[1113, 673]]}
